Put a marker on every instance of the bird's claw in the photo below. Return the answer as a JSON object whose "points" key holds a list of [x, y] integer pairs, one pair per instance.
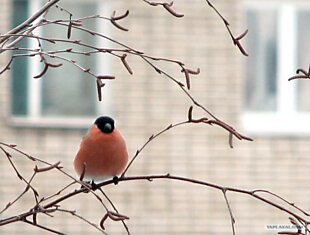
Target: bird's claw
{"points": [[115, 180], [93, 185]]}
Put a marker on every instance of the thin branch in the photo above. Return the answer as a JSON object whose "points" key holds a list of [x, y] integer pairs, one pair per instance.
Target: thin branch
{"points": [[163, 177], [73, 213], [114, 207], [22, 178], [86, 187], [282, 199], [52, 206], [150, 139], [304, 74], [9, 204], [232, 132], [236, 40], [211, 185], [167, 6], [59, 191], [43, 227], [147, 59], [27, 22], [232, 219], [114, 20]]}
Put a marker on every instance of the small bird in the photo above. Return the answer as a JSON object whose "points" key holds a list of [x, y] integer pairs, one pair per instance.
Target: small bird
{"points": [[103, 153]]}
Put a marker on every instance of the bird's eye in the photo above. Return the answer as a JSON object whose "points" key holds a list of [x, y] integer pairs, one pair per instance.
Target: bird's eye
{"points": [[107, 128]]}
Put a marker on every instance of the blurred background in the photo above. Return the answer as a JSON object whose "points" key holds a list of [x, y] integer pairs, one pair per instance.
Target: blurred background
{"points": [[47, 117]]}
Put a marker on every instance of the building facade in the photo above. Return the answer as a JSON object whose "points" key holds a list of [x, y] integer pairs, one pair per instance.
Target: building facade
{"points": [[47, 117]]}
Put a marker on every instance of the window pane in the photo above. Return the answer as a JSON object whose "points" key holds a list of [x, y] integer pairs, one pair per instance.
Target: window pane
{"points": [[261, 66], [66, 90], [19, 66], [303, 59]]}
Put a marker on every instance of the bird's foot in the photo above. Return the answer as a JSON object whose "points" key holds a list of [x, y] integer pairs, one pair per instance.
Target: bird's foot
{"points": [[90, 184], [83, 186], [115, 180], [93, 185]]}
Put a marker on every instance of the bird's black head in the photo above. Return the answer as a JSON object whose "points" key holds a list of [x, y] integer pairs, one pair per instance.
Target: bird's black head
{"points": [[105, 124]]}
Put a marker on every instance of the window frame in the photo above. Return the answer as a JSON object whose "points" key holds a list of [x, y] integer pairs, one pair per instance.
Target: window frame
{"points": [[34, 117], [286, 119]]}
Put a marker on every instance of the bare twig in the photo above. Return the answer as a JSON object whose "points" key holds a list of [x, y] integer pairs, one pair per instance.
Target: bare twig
{"points": [[232, 219], [236, 40], [206, 120], [48, 168], [53, 206], [73, 213], [305, 74], [115, 209], [165, 5], [152, 137], [283, 199], [114, 20], [43, 227], [26, 23]]}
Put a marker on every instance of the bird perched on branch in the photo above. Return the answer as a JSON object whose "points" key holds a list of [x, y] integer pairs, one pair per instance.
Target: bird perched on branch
{"points": [[102, 154]]}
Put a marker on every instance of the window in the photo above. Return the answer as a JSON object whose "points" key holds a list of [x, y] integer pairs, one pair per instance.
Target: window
{"points": [[278, 42], [64, 97]]}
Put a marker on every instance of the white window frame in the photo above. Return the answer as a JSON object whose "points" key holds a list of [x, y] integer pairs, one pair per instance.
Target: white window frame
{"points": [[286, 120], [34, 117]]}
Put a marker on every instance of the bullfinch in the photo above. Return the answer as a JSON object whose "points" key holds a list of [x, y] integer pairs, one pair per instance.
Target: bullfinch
{"points": [[103, 153]]}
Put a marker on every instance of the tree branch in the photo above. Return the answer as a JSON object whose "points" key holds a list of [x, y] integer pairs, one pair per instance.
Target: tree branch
{"points": [[27, 22]]}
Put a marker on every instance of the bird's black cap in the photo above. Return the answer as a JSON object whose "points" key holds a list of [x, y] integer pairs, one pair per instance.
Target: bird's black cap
{"points": [[105, 124]]}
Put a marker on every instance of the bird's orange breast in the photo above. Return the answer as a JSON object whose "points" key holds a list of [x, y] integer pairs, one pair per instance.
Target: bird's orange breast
{"points": [[104, 155]]}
